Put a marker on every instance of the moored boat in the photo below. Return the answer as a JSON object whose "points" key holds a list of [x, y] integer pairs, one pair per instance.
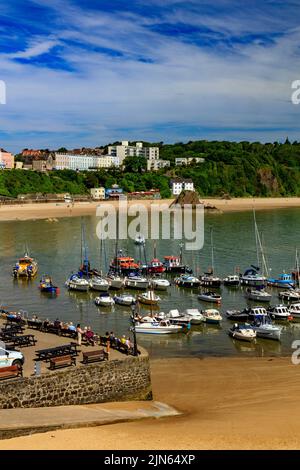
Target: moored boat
{"points": [[139, 239], [264, 328], [187, 280], [149, 298], [212, 316], [209, 280], [77, 283], [173, 264], [233, 280], [154, 267], [289, 295], [104, 300], [283, 280], [46, 285], [294, 310], [252, 277], [210, 297], [99, 284], [26, 267], [125, 299], [136, 282], [242, 332], [195, 316], [279, 312], [237, 315], [261, 295], [115, 281], [159, 284], [124, 265], [152, 326], [175, 318]]}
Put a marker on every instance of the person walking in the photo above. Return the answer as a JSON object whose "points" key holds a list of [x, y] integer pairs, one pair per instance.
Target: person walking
{"points": [[79, 334]]}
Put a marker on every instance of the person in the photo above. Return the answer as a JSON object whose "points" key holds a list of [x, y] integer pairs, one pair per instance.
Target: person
{"points": [[123, 339], [79, 334], [71, 327], [112, 339], [89, 335], [128, 344]]}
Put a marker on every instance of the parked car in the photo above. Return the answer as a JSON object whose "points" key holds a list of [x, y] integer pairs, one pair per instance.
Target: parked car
{"points": [[10, 358]]}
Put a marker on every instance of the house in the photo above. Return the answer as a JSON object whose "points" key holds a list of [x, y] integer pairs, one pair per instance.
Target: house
{"points": [[138, 150], [155, 165], [188, 161], [98, 193], [115, 192], [180, 184], [7, 160]]}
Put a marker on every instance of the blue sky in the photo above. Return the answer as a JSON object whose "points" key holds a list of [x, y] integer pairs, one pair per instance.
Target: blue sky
{"points": [[88, 73]]}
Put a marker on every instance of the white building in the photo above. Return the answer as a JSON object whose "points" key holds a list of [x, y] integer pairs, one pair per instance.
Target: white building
{"points": [[98, 193], [138, 150], [187, 161], [154, 165], [107, 161], [66, 161], [179, 184]]}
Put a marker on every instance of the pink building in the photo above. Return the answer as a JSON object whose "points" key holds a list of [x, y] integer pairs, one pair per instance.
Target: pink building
{"points": [[7, 160]]}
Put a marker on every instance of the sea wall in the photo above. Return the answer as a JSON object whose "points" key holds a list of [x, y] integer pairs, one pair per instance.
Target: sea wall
{"points": [[115, 380]]}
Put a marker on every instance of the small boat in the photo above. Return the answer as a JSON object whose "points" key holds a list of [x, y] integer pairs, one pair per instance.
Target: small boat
{"points": [[152, 326], [187, 280], [279, 312], [148, 298], [125, 299], [210, 297], [104, 300], [25, 267], [294, 310], [242, 332], [209, 280], [136, 282], [232, 280], [99, 284], [264, 328], [173, 264], [175, 318], [46, 285], [289, 295], [77, 283], [154, 267], [252, 277], [260, 295], [283, 280], [115, 281], [195, 316], [159, 284], [237, 315], [124, 265], [212, 316], [139, 239], [255, 311]]}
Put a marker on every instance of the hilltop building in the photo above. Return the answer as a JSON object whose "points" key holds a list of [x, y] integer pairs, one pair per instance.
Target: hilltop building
{"points": [[179, 184]]}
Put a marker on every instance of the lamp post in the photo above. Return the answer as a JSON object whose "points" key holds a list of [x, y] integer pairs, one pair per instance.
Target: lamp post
{"points": [[135, 353]]}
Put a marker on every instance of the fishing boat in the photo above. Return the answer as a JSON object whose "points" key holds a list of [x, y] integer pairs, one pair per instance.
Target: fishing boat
{"points": [[252, 277], [232, 280], [264, 328], [294, 310], [124, 265], [242, 332], [255, 311], [75, 282], [99, 284], [210, 297], [104, 300], [125, 299], [25, 267], [237, 315], [174, 264], [159, 284], [260, 295], [139, 239], [46, 285], [152, 326], [136, 282], [212, 316], [283, 280], [187, 280], [115, 281], [289, 295], [195, 316], [154, 267], [279, 312], [149, 298]]}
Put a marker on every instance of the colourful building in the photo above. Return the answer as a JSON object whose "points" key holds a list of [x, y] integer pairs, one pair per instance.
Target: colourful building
{"points": [[7, 160]]}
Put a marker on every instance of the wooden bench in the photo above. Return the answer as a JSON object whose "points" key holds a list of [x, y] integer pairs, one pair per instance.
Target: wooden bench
{"points": [[10, 372], [62, 361], [94, 356]]}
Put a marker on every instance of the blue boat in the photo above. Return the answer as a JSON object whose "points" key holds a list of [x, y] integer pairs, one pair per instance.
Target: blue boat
{"points": [[284, 280], [46, 285]]}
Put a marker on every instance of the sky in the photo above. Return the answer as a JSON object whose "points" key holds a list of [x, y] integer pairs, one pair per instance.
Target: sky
{"points": [[86, 73]]}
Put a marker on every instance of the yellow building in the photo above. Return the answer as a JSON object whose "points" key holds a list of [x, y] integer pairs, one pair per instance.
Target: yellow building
{"points": [[98, 193]]}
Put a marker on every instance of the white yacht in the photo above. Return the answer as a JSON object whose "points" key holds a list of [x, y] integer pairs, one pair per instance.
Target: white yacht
{"points": [[265, 329], [279, 312], [242, 332], [77, 283], [136, 282], [104, 300], [195, 315], [260, 295], [99, 284], [154, 327], [160, 284]]}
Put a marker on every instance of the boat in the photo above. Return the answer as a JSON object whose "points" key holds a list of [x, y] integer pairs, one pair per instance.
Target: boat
{"points": [[46, 285], [114, 280], [279, 312], [174, 264], [175, 318], [136, 282], [152, 326], [294, 310], [125, 299], [99, 284], [289, 295], [255, 311], [187, 280], [159, 284], [208, 279], [195, 316], [212, 316], [139, 239], [283, 280], [104, 300], [148, 298], [260, 295], [237, 315], [77, 283], [264, 328], [252, 277], [25, 267], [124, 265], [232, 280], [154, 267], [210, 297], [242, 332]]}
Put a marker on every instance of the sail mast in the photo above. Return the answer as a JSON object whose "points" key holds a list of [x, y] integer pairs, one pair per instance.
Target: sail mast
{"points": [[212, 251]]}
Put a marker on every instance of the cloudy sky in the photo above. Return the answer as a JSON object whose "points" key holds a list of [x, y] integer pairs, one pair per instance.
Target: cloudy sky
{"points": [[84, 73]]}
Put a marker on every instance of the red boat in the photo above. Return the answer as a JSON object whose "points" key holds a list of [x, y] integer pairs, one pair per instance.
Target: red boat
{"points": [[155, 267], [124, 265]]}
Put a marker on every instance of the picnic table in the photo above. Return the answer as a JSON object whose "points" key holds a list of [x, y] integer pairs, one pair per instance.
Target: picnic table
{"points": [[13, 327], [24, 340], [35, 324], [62, 350]]}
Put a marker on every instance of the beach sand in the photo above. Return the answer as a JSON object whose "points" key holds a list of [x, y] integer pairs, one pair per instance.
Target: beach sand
{"points": [[227, 403], [54, 211]]}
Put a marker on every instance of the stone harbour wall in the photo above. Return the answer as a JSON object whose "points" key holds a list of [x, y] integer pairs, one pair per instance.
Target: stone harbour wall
{"points": [[115, 380]]}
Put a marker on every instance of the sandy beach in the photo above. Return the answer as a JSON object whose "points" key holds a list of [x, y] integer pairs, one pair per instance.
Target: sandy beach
{"points": [[56, 210], [226, 403]]}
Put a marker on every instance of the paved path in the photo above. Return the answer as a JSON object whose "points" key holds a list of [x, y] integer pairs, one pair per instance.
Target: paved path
{"points": [[23, 421]]}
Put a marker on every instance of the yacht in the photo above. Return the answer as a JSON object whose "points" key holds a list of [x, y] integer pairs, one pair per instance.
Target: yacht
{"points": [[125, 299], [136, 282], [251, 277], [260, 295], [264, 328], [149, 298], [279, 312], [242, 332], [233, 280], [210, 297], [77, 283], [187, 280], [99, 284], [212, 316], [104, 300], [151, 326], [159, 284]]}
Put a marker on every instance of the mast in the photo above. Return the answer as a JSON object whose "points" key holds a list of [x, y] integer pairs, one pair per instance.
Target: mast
{"points": [[256, 239], [212, 250], [297, 269]]}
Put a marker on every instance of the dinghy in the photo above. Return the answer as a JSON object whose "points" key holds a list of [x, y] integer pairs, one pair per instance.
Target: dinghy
{"points": [[149, 298], [210, 297], [104, 300], [125, 299]]}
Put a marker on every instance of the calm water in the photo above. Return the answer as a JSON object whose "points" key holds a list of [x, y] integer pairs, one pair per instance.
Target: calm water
{"points": [[56, 246]]}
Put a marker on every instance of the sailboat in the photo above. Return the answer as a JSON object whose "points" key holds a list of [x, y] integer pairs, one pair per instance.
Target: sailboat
{"points": [[208, 279], [98, 282], [149, 298]]}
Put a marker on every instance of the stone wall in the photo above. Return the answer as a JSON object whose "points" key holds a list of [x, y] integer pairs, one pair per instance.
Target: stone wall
{"points": [[116, 380]]}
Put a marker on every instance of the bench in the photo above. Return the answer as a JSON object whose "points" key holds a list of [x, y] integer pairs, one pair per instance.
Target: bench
{"points": [[94, 356], [10, 372], [35, 324], [25, 340], [62, 361]]}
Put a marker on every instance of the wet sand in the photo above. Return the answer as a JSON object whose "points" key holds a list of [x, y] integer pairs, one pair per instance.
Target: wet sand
{"points": [[227, 403]]}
